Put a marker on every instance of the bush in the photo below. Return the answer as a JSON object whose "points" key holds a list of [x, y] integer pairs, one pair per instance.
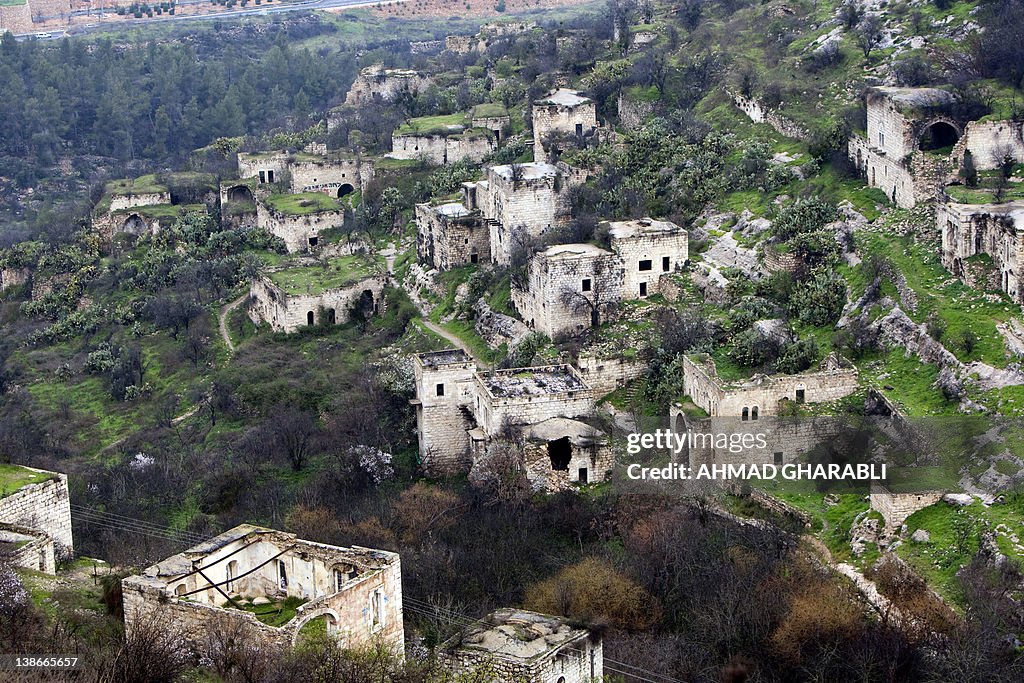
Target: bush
{"points": [[819, 300]]}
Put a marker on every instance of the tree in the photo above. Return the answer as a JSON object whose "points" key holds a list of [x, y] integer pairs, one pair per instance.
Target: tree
{"points": [[294, 431], [600, 300], [869, 33], [968, 171]]}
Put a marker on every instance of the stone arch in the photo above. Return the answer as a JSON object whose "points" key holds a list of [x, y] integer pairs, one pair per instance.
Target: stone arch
{"points": [[332, 618], [241, 193], [332, 317], [135, 225], [310, 318], [939, 134], [345, 190]]}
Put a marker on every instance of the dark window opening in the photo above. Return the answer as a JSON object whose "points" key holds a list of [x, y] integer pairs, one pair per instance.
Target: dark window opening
{"points": [[800, 396], [579, 129], [440, 389], [586, 284], [560, 453], [240, 193], [583, 475], [753, 413], [310, 318], [313, 241], [643, 289], [332, 317], [939, 135], [263, 176], [746, 414], [345, 190], [666, 263], [270, 176], [645, 265], [497, 134], [777, 458], [474, 258]]}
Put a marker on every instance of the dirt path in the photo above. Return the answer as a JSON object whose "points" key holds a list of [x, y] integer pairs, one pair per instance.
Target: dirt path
{"points": [[445, 334], [222, 322]]}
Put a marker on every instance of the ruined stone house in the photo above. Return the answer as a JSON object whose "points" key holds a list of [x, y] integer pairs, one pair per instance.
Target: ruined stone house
{"points": [[970, 231], [526, 647], [562, 111], [301, 232], [445, 145], [215, 590], [915, 145], [572, 287], [462, 412], [288, 308], [449, 235], [377, 82], [336, 173], [35, 519]]}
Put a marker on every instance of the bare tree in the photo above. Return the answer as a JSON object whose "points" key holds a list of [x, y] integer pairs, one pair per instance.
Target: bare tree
{"points": [[596, 298], [869, 33], [294, 431]]}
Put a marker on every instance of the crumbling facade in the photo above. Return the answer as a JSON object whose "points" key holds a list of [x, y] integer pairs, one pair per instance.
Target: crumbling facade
{"points": [[526, 647], [896, 507], [214, 590], [647, 249], [443, 148], [335, 173], [462, 414], [285, 311], [376, 82], [970, 230], [761, 395], [300, 232], [569, 288], [449, 235], [35, 520], [564, 112]]}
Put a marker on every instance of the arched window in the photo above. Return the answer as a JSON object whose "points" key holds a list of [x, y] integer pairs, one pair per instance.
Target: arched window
{"points": [[746, 414], [753, 413]]}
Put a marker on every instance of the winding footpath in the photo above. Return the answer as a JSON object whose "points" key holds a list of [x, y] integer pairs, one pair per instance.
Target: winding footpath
{"points": [[222, 321]]}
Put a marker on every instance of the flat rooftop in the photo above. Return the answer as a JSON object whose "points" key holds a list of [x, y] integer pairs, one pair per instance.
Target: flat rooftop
{"points": [[641, 226], [531, 171], [434, 359], [15, 477], [519, 635], [452, 210], [539, 381], [569, 251], [916, 97], [1013, 210], [564, 97]]}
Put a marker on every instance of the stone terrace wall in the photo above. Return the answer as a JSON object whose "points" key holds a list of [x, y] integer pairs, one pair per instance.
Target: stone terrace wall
{"points": [[760, 114], [988, 140], [633, 113], [289, 312], [17, 19], [14, 277], [605, 375], [896, 507], [45, 506], [296, 230], [36, 554], [119, 202]]}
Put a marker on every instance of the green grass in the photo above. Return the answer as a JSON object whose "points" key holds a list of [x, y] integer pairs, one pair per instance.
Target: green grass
{"points": [[13, 477], [162, 210], [302, 204], [985, 193], [317, 279], [276, 613], [434, 125], [142, 185], [12, 3], [489, 110]]}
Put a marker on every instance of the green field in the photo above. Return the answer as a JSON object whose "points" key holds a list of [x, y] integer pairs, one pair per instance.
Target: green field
{"points": [[316, 279], [434, 125], [302, 204]]}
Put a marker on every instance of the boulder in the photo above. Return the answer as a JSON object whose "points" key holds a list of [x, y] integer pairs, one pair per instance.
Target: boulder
{"points": [[962, 499], [921, 536]]}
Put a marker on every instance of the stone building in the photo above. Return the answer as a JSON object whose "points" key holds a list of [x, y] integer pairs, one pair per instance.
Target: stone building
{"points": [[216, 589], [449, 235], [488, 35], [647, 249], [377, 82], [572, 287], [336, 173], [526, 647], [461, 413], [915, 144], [440, 140], [300, 227], [291, 299], [761, 395], [562, 111], [569, 288], [970, 230], [896, 507], [35, 517], [519, 202]]}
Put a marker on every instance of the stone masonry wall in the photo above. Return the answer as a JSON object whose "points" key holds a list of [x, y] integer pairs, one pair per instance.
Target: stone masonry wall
{"points": [[250, 165], [760, 114], [534, 206], [289, 312], [16, 19], [633, 113], [387, 84], [296, 230], [583, 663], [45, 506], [527, 410], [886, 173], [442, 420], [971, 229], [665, 252], [119, 202], [441, 149], [13, 277], [556, 118], [31, 549], [446, 242], [327, 176], [896, 507], [988, 141], [605, 375]]}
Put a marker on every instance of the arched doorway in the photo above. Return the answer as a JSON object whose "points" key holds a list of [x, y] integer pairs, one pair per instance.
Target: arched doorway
{"points": [[310, 318], [134, 225], [560, 453], [345, 190], [241, 193], [937, 136]]}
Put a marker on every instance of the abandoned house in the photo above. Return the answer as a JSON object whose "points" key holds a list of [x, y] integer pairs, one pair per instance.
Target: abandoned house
{"points": [[377, 82], [915, 145], [442, 144], [345, 289], [228, 585], [449, 235], [336, 173], [526, 647], [299, 220], [972, 230], [647, 249], [35, 518], [562, 112], [461, 413]]}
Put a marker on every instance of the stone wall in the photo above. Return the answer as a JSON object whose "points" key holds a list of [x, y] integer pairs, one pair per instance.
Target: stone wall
{"points": [[444, 395], [296, 230], [531, 205], [118, 202], [494, 412], [577, 115], [252, 165], [971, 229], [760, 395], [888, 174], [605, 375], [564, 284], [580, 662], [758, 113], [497, 328], [448, 236], [442, 149], [14, 277], [16, 19], [331, 176], [45, 506], [647, 256], [28, 548], [386, 84], [896, 507], [286, 312], [633, 113], [987, 141]]}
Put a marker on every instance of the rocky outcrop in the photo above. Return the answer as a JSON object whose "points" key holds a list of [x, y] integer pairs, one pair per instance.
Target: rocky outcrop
{"points": [[497, 328]]}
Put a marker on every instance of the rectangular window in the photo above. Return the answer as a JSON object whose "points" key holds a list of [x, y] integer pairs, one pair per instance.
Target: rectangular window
{"points": [[270, 176], [644, 265], [778, 458], [282, 575], [377, 609], [800, 396], [666, 263], [586, 284], [440, 389], [643, 289], [583, 475], [263, 176]]}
